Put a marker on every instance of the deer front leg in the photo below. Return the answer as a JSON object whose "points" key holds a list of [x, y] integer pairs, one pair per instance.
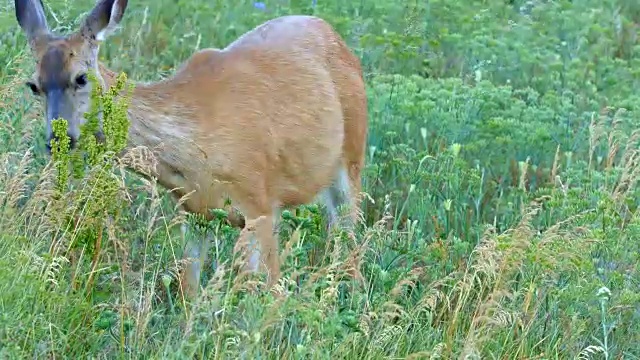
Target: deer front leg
{"points": [[261, 246], [269, 248], [195, 253]]}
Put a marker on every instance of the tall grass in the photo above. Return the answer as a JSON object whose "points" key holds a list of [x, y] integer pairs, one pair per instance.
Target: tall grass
{"points": [[500, 216]]}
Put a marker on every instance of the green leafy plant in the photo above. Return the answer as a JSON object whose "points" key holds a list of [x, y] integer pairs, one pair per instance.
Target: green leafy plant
{"points": [[500, 216], [83, 211]]}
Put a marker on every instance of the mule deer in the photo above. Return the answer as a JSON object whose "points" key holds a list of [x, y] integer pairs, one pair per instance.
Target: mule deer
{"points": [[276, 119]]}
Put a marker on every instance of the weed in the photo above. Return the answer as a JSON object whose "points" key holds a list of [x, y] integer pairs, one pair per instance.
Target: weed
{"points": [[500, 217]]}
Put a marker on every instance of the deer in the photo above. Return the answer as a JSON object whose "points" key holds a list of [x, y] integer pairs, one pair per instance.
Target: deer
{"points": [[274, 120]]}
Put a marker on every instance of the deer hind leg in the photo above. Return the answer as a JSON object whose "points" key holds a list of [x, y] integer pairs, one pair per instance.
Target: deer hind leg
{"points": [[355, 184], [338, 197]]}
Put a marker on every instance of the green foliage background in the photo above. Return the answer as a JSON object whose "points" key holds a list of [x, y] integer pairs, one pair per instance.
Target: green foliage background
{"points": [[503, 215]]}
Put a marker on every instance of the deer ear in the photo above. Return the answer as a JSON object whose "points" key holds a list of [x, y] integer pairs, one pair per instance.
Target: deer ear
{"points": [[30, 16], [103, 20]]}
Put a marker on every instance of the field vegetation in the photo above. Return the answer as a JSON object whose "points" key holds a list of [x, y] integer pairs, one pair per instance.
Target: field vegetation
{"points": [[501, 215]]}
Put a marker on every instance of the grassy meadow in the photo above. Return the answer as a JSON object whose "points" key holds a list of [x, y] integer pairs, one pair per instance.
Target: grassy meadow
{"points": [[501, 215]]}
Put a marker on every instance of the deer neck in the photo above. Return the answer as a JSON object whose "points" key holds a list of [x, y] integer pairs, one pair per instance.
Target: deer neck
{"points": [[161, 124]]}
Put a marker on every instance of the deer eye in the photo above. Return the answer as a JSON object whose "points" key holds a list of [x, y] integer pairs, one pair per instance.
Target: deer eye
{"points": [[33, 87], [81, 80]]}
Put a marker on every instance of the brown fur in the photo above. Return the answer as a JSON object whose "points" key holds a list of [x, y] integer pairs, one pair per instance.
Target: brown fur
{"points": [[270, 121]]}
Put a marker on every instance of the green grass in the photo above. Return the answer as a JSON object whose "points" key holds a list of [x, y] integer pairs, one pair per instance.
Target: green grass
{"points": [[502, 219]]}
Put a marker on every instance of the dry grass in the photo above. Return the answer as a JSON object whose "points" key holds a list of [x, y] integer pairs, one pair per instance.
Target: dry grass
{"points": [[560, 282]]}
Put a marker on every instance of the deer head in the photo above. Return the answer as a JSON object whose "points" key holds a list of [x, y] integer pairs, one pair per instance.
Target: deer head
{"points": [[62, 62]]}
